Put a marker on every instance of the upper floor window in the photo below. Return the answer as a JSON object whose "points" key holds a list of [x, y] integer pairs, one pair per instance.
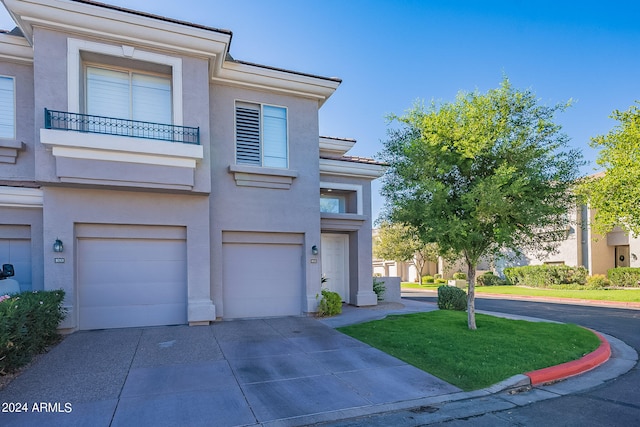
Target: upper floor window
{"points": [[340, 198], [128, 95], [7, 107], [332, 203], [261, 135]]}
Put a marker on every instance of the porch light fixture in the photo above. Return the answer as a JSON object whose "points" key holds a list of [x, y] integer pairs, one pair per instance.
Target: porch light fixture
{"points": [[314, 250], [57, 246]]}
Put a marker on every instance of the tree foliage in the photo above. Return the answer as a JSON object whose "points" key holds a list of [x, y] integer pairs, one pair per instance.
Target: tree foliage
{"points": [[399, 242], [481, 174], [616, 194]]}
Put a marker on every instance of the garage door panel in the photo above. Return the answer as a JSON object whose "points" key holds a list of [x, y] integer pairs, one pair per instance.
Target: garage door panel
{"points": [[142, 293], [18, 253], [132, 315], [262, 280], [131, 282], [126, 249], [130, 271]]}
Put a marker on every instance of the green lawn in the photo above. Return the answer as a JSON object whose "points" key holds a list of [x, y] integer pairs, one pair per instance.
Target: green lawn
{"points": [[412, 285], [440, 343], [619, 295]]}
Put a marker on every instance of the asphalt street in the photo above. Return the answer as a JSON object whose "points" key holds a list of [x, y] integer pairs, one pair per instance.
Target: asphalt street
{"points": [[615, 403]]}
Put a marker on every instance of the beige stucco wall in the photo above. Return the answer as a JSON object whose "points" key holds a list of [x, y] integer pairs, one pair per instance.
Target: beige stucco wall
{"points": [[66, 207], [256, 209], [24, 167], [51, 91]]}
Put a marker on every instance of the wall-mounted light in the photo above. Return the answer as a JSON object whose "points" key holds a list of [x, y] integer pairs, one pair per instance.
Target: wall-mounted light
{"points": [[314, 250], [58, 246]]}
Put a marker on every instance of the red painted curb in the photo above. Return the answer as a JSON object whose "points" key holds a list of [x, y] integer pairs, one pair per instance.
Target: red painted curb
{"points": [[575, 367]]}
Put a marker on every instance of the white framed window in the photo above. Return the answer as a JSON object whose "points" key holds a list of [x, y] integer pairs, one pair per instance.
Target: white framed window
{"points": [[261, 135], [332, 203], [76, 48], [7, 108], [337, 197], [128, 94]]}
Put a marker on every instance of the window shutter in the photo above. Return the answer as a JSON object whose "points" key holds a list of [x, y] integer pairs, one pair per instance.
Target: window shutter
{"points": [[248, 134], [7, 108], [274, 136]]}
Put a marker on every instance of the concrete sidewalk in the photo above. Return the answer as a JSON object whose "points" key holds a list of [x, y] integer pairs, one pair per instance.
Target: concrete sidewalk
{"points": [[276, 372]]}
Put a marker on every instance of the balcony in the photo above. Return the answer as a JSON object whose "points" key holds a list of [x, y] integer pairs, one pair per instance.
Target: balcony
{"points": [[112, 152], [61, 120]]}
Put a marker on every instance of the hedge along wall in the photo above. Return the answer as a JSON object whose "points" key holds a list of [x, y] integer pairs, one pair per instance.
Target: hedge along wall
{"points": [[626, 277], [28, 324], [541, 276]]}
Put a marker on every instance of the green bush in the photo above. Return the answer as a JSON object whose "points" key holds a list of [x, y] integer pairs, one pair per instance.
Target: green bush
{"points": [[379, 288], [437, 276], [427, 279], [597, 281], [459, 276], [441, 280], [489, 279], [330, 304], [452, 298], [624, 277], [28, 324], [544, 276]]}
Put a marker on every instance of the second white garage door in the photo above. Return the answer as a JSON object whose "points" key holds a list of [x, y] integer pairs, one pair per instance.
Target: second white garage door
{"points": [[262, 279], [15, 249], [127, 282]]}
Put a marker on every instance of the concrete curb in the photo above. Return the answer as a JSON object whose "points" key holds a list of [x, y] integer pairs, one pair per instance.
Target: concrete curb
{"points": [[575, 367]]}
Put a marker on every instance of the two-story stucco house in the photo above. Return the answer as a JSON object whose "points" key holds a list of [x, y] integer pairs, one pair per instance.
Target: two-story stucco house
{"points": [[158, 181]]}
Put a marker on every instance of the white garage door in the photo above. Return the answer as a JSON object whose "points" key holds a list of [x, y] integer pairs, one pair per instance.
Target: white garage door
{"points": [[262, 279], [127, 282], [15, 248]]}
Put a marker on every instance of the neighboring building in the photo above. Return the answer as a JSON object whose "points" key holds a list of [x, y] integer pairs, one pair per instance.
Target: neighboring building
{"points": [[185, 186], [582, 247]]}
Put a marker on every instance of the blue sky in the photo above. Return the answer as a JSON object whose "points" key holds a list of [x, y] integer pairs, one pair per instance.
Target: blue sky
{"points": [[392, 53]]}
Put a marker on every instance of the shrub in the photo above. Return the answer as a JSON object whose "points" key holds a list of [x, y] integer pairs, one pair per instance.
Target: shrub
{"points": [[542, 276], [330, 304], [459, 276], [452, 298], [597, 281], [441, 280], [489, 279], [437, 276], [427, 279], [379, 288], [28, 324], [624, 277]]}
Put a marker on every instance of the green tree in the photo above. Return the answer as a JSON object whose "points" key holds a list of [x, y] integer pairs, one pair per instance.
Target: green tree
{"points": [[482, 174], [616, 194], [400, 243]]}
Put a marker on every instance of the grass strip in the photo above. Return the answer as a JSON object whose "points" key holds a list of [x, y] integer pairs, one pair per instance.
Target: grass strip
{"points": [[620, 295], [440, 343]]}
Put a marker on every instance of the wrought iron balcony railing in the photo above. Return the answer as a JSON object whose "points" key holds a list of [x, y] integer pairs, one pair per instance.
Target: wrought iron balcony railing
{"points": [[111, 126]]}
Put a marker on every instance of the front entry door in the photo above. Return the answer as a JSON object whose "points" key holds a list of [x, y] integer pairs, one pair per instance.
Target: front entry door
{"points": [[335, 263], [622, 256]]}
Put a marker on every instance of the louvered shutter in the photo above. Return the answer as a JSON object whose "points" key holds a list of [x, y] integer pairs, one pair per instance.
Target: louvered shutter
{"points": [[248, 134], [7, 108]]}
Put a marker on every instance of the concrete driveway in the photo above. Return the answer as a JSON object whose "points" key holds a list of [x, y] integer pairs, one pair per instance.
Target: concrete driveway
{"points": [[281, 371]]}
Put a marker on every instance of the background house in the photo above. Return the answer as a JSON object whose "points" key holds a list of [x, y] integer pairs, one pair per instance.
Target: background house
{"points": [[583, 247], [185, 185]]}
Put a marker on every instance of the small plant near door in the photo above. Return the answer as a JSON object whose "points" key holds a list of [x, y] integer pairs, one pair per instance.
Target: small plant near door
{"points": [[379, 289], [330, 303]]}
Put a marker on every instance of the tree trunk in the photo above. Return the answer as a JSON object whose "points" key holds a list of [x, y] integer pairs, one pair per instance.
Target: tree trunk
{"points": [[471, 296]]}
